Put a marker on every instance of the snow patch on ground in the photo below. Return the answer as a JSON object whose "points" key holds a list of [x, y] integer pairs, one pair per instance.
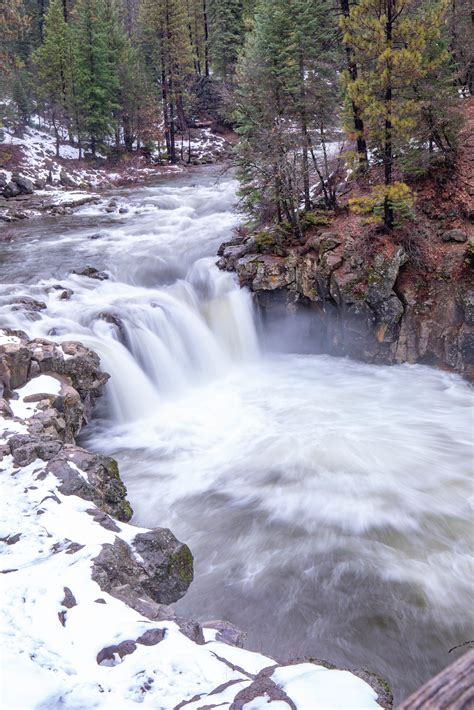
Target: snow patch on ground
{"points": [[43, 384], [317, 688]]}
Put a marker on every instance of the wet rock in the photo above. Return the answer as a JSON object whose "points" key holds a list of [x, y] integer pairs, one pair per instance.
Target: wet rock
{"points": [[454, 235], [156, 566], [28, 304], [92, 273]]}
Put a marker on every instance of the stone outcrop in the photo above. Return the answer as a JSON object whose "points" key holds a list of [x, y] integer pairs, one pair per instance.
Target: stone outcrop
{"points": [[378, 307], [152, 570]]}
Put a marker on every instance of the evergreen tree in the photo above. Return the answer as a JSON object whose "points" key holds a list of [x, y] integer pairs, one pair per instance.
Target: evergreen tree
{"points": [[97, 80], [355, 112], [55, 60], [287, 97], [398, 50], [226, 22], [167, 45]]}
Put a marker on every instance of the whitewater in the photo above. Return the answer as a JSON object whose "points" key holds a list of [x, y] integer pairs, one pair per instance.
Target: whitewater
{"points": [[328, 503]]}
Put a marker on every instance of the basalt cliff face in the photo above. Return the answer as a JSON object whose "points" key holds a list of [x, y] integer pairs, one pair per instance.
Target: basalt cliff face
{"points": [[366, 296]]}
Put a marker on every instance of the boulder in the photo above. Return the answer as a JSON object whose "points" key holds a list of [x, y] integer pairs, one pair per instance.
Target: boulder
{"points": [[454, 235], [11, 189], [92, 273], [155, 567], [25, 185], [96, 480]]}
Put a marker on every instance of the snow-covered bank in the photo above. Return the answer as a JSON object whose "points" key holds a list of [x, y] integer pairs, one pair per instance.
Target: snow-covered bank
{"points": [[34, 180], [71, 573]]}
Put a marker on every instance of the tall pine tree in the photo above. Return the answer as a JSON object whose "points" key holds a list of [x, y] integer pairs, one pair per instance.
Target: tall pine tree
{"points": [[97, 79], [55, 59], [398, 48]]}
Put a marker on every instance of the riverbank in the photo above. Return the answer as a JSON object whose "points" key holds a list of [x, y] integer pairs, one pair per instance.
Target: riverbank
{"points": [[349, 288], [34, 181], [87, 593]]}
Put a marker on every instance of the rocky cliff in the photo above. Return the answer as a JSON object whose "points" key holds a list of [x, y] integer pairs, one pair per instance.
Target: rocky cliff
{"points": [[366, 295]]}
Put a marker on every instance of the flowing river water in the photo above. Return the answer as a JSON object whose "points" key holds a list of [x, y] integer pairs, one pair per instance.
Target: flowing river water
{"points": [[328, 503]]}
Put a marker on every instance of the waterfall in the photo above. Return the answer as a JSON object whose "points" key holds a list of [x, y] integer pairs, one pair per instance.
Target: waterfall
{"points": [[154, 342]]}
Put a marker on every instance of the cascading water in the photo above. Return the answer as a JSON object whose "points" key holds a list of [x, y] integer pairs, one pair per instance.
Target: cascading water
{"points": [[328, 503]]}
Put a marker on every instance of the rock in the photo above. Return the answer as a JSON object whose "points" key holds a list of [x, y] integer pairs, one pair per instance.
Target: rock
{"points": [[155, 567], [25, 184], [66, 180], [227, 633], [107, 655], [10, 190], [25, 449], [454, 235], [99, 482], [92, 273], [151, 637], [123, 210], [69, 600]]}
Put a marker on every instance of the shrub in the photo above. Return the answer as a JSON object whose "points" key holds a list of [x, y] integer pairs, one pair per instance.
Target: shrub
{"points": [[400, 198]]}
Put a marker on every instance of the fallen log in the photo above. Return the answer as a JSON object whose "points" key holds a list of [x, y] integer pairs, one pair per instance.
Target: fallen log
{"points": [[452, 689]]}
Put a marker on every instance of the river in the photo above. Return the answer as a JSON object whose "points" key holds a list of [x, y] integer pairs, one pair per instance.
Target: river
{"points": [[328, 503]]}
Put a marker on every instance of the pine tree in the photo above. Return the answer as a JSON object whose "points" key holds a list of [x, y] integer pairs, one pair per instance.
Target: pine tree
{"points": [[97, 80], [287, 96], [226, 23], [358, 123], [166, 44], [398, 50], [55, 60]]}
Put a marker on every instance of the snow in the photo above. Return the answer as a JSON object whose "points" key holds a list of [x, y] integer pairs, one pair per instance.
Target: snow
{"points": [[6, 339], [43, 384], [317, 688], [265, 703]]}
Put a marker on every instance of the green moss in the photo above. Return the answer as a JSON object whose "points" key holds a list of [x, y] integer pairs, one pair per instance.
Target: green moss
{"points": [[315, 218], [126, 511], [114, 469], [265, 240], [182, 564], [469, 254]]}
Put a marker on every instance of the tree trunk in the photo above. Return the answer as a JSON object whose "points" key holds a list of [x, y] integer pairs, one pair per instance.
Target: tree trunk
{"points": [[56, 133], [304, 131], [356, 112], [388, 146], [206, 38]]}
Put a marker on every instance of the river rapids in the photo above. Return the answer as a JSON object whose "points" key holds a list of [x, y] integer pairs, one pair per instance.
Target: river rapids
{"points": [[328, 503]]}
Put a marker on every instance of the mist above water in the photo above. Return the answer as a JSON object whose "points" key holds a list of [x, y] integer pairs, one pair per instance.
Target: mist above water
{"points": [[328, 503]]}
